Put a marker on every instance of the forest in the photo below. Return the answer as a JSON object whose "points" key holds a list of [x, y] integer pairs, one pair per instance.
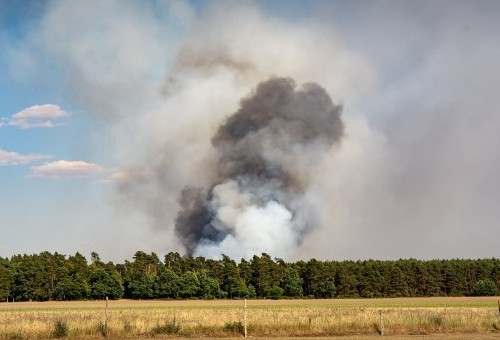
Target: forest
{"points": [[47, 276]]}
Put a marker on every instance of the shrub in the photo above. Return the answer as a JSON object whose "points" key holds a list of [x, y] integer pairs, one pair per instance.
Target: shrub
{"points": [[436, 320], [235, 327], [60, 329], [169, 327], [103, 328]]}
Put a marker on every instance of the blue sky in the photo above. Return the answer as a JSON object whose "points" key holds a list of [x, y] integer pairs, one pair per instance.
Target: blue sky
{"points": [[107, 110]]}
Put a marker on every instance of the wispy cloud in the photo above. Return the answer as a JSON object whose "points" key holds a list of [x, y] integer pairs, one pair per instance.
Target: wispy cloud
{"points": [[66, 169], [14, 158], [37, 116]]}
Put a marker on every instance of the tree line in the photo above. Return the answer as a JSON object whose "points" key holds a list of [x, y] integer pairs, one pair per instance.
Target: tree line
{"points": [[47, 276]]}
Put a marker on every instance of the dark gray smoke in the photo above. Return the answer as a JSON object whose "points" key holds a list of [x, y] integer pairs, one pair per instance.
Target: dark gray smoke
{"points": [[258, 193]]}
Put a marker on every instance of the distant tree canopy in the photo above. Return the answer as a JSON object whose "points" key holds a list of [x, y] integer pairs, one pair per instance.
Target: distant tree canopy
{"points": [[46, 276]]}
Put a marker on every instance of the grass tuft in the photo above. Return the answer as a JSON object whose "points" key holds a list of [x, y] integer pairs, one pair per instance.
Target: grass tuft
{"points": [[61, 329], [436, 320], [235, 327], [103, 329], [127, 326], [168, 327], [17, 336]]}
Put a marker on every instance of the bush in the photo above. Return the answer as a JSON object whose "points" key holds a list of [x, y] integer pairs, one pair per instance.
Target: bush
{"points": [[485, 288], [61, 329], [170, 327], [102, 328], [436, 320], [235, 327]]}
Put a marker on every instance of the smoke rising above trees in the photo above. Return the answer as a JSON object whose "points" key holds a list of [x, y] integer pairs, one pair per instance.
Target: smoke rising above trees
{"points": [[257, 201], [413, 174]]}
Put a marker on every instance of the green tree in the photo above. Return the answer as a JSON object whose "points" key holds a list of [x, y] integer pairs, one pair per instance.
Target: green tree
{"points": [[167, 284], [189, 285], [292, 283], [35, 276], [232, 283], [370, 282], [252, 293], [174, 262], [319, 279], [346, 283], [265, 274], [209, 287], [326, 289], [140, 274], [104, 284], [72, 288], [140, 286], [6, 279], [397, 279], [77, 264], [485, 287]]}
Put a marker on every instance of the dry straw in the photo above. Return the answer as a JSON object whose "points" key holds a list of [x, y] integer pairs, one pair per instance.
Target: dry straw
{"points": [[265, 320]]}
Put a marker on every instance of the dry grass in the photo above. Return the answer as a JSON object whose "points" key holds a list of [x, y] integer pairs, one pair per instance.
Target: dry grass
{"points": [[197, 318]]}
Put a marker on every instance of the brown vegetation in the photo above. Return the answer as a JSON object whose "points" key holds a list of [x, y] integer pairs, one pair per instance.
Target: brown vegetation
{"points": [[269, 318]]}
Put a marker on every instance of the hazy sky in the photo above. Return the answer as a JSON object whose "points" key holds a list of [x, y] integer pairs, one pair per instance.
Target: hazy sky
{"points": [[107, 109]]}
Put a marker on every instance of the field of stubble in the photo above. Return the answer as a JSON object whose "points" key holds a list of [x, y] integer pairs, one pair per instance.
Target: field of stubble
{"points": [[440, 318]]}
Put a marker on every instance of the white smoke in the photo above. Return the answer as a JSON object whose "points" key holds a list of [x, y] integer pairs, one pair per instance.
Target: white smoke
{"points": [[251, 229]]}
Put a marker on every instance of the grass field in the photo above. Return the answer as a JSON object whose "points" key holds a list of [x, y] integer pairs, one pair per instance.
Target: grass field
{"points": [[265, 318]]}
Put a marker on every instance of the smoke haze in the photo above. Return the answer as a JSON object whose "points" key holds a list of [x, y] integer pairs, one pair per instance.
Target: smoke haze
{"points": [[226, 122], [257, 203]]}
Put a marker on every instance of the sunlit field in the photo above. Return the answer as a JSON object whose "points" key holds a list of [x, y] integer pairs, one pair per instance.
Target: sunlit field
{"points": [[265, 318]]}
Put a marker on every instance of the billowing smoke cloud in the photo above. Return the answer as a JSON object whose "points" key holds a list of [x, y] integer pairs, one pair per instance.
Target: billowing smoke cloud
{"points": [[257, 202], [416, 172]]}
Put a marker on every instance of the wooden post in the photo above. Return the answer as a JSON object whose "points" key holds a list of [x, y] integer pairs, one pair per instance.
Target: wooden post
{"points": [[106, 319], [499, 308], [381, 322], [245, 318]]}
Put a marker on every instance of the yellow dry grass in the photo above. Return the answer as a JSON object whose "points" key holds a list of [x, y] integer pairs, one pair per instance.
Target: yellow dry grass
{"points": [[268, 318]]}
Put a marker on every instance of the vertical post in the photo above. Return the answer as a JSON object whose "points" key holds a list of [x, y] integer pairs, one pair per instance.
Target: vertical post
{"points": [[245, 318], [499, 308], [106, 319], [381, 322]]}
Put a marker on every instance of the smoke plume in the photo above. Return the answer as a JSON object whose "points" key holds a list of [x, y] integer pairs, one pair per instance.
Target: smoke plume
{"points": [[415, 175], [256, 203]]}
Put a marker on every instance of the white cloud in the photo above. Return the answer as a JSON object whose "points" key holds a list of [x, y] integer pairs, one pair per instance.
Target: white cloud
{"points": [[37, 116], [14, 158], [66, 169]]}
